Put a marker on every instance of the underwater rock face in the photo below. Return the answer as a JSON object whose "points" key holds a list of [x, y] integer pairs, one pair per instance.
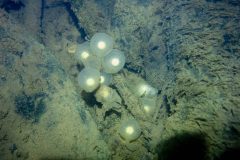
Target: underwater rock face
{"points": [[188, 51], [41, 116]]}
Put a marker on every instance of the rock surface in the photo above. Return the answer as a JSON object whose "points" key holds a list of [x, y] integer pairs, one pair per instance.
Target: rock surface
{"points": [[41, 113], [188, 50]]}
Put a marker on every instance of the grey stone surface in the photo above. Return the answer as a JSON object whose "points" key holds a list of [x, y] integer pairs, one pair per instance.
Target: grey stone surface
{"points": [[188, 50], [41, 114]]}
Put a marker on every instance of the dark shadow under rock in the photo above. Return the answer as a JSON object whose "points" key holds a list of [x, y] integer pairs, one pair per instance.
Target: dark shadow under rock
{"points": [[187, 146], [230, 154]]}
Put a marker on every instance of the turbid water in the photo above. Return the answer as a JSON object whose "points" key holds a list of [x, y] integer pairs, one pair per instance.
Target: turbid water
{"points": [[173, 79]]}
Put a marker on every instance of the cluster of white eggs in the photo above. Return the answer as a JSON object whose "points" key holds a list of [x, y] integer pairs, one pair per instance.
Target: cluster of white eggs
{"points": [[100, 61], [130, 129], [147, 96]]}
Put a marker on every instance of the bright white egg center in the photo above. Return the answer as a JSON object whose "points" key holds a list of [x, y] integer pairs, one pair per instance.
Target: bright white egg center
{"points": [[90, 81], [101, 45], [85, 55], [129, 130], [115, 62], [143, 89], [102, 79], [146, 108]]}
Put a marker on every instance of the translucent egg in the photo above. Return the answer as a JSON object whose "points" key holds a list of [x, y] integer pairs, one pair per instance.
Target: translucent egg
{"points": [[101, 44], [104, 94], [114, 61], [83, 52], [140, 87], [105, 78], [144, 89], [148, 105], [130, 130], [89, 79]]}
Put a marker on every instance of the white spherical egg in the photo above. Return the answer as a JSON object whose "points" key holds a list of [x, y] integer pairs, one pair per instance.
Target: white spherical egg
{"points": [[89, 79], [148, 105], [114, 61], [144, 89], [130, 130], [83, 52], [101, 44]]}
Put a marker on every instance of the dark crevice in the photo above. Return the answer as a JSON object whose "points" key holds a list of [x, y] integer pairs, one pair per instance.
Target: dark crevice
{"points": [[122, 99], [174, 101], [112, 111], [167, 105], [10, 5], [42, 16], [90, 99], [83, 115], [136, 70], [79, 67], [19, 54], [75, 20], [123, 103], [72, 15]]}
